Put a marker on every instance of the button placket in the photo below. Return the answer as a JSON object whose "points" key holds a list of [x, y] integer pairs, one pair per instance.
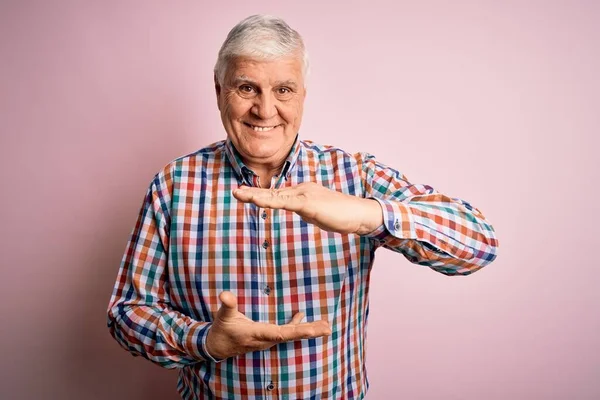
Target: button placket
{"points": [[266, 298]]}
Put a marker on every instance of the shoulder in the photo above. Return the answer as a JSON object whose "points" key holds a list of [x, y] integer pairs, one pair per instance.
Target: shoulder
{"points": [[180, 166], [208, 153], [331, 157], [328, 152], [189, 161]]}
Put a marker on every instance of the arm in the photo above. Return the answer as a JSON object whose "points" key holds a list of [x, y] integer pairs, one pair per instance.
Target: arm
{"points": [[427, 227], [140, 316]]}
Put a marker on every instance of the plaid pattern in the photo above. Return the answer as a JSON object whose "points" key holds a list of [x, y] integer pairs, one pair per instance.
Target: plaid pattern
{"points": [[193, 239]]}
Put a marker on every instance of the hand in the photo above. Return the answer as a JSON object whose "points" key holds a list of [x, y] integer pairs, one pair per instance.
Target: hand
{"points": [[232, 333], [328, 209]]}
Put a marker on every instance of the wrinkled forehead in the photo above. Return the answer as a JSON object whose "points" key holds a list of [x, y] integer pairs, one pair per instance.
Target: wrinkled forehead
{"points": [[265, 71]]}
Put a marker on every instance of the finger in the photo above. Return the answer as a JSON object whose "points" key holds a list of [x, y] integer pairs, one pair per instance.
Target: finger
{"points": [[228, 305], [296, 319], [285, 333], [287, 199], [307, 330]]}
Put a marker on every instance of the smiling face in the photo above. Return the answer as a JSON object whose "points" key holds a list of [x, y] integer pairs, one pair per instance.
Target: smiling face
{"points": [[261, 104]]}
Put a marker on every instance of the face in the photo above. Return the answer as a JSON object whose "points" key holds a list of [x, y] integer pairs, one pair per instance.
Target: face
{"points": [[261, 104]]}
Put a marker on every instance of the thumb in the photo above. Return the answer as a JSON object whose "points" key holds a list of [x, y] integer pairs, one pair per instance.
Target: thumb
{"points": [[228, 305], [296, 319]]}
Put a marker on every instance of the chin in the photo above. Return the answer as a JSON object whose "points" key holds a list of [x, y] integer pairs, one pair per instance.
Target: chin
{"points": [[262, 151]]}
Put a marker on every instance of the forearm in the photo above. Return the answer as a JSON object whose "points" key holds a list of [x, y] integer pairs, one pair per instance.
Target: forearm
{"points": [[162, 335], [140, 315], [372, 216], [429, 228], [446, 234]]}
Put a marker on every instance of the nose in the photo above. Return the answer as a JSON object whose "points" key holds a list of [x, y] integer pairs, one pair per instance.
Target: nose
{"points": [[264, 106]]}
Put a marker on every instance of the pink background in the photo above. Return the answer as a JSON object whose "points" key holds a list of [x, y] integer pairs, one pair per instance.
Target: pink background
{"points": [[493, 102]]}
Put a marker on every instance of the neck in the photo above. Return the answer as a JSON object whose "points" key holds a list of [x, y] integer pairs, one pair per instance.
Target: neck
{"points": [[265, 173]]}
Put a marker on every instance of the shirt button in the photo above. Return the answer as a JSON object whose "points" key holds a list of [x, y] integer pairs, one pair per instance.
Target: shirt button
{"points": [[265, 244], [270, 386], [397, 225], [267, 290], [264, 215]]}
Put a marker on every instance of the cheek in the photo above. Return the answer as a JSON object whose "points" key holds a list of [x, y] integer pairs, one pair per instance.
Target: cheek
{"points": [[234, 107], [293, 113]]}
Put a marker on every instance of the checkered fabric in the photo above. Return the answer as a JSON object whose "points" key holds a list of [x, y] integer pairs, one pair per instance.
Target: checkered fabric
{"points": [[193, 240]]}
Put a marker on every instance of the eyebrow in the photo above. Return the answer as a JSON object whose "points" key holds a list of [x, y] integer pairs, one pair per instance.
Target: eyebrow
{"points": [[289, 82], [244, 79]]}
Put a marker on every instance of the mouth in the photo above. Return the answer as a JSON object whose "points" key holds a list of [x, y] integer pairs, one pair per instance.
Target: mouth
{"points": [[258, 128]]}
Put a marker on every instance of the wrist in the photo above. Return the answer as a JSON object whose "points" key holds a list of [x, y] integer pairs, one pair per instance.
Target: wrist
{"points": [[373, 217], [209, 351]]}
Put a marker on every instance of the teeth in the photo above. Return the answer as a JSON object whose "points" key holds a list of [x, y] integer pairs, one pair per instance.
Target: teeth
{"points": [[262, 129]]}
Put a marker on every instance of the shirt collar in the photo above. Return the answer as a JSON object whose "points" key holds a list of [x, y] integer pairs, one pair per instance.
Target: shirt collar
{"points": [[291, 158], [236, 161], [242, 170]]}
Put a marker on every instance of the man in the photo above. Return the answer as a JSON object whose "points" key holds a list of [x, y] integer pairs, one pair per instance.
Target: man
{"points": [[238, 243]]}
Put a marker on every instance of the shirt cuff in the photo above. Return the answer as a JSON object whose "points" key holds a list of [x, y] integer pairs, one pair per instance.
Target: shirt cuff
{"points": [[397, 221], [198, 338]]}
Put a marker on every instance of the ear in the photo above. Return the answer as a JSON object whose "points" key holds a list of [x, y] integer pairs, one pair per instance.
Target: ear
{"points": [[218, 91]]}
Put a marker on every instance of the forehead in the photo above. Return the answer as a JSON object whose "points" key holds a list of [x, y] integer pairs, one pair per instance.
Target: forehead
{"points": [[287, 69]]}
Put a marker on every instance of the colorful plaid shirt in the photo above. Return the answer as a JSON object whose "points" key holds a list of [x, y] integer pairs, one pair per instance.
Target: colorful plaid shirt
{"points": [[193, 240]]}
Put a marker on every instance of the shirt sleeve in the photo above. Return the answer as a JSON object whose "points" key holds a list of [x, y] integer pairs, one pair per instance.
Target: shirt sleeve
{"points": [[140, 315], [429, 228]]}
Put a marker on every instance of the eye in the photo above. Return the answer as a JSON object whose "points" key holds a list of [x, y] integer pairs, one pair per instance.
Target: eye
{"points": [[246, 89], [284, 93]]}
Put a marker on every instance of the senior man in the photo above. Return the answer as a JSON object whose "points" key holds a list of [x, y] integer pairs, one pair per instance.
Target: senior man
{"points": [[236, 244]]}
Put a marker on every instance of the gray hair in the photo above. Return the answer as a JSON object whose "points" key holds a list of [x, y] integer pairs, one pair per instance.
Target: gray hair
{"points": [[262, 37]]}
